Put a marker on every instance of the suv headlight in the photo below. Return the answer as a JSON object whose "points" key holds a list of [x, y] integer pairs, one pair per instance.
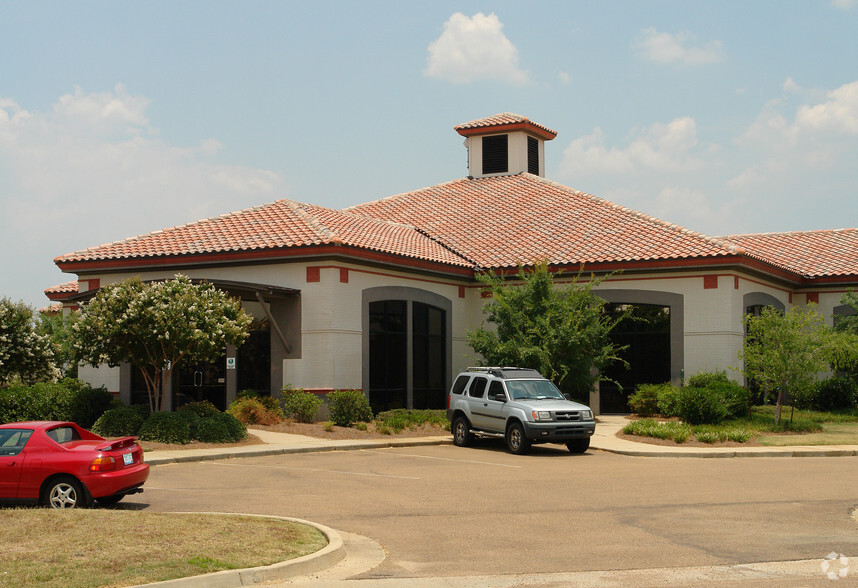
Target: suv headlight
{"points": [[586, 415], [541, 415]]}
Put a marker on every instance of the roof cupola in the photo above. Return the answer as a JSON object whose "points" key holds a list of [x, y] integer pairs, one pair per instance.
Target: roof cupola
{"points": [[505, 144]]}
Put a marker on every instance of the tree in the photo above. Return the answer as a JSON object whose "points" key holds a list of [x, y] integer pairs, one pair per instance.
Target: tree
{"points": [[845, 353], [24, 353], [57, 328], [784, 352], [561, 331], [157, 327]]}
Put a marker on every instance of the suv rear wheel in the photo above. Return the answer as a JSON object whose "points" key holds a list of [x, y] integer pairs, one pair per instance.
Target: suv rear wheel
{"points": [[516, 440], [462, 432]]}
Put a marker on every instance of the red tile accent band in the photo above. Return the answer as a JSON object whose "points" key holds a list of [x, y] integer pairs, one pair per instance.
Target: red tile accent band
{"points": [[710, 282], [313, 274], [344, 275], [813, 297]]}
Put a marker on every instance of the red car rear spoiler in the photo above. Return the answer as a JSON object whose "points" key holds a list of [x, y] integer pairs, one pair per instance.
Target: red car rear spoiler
{"points": [[117, 444]]}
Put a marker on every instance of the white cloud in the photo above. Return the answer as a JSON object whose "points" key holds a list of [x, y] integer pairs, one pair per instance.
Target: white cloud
{"points": [[843, 4], [668, 48], [564, 78], [93, 169], [839, 114], [661, 147], [473, 49]]}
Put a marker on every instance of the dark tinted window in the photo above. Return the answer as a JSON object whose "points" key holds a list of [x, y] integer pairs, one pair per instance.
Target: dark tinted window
{"points": [[495, 388], [478, 387], [459, 385]]}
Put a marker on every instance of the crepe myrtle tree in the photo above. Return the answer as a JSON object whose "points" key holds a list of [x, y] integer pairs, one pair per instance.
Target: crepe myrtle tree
{"points": [[563, 331], [25, 354], [157, 327], [784, 351]]}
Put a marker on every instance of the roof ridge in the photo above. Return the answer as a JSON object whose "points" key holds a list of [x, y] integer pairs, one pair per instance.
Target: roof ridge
{"points": [[800, 232], [322, 231], [648, 217], [350, 209]]}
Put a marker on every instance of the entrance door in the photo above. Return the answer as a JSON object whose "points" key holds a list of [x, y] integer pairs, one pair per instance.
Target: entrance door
{"points": [[646, 332], [201, 381]]}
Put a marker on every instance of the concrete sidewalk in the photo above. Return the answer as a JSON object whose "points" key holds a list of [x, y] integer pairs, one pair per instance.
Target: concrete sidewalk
{"points": [[605, 439]]}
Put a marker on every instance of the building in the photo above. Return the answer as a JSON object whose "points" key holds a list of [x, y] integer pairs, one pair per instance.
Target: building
{"points": [[379, 296]]}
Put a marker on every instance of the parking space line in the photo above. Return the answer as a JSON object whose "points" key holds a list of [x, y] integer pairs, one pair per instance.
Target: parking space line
{"points": [[503, 465], [367, 474]]}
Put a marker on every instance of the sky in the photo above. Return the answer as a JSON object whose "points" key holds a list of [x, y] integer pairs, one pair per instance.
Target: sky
{"points": [[122, 118]]}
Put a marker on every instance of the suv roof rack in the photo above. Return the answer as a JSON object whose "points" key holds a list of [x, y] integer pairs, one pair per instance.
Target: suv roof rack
{"points": [[507, 371]]}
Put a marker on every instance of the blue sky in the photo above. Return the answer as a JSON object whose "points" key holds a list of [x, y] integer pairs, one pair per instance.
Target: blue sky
{"points": [[118, 119]]}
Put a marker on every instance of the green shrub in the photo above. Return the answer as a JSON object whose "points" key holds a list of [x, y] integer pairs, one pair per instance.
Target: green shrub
{"points": [[250, 411], [708, 436], [203, 408], [673, 431], [300, 405], [404, 418], [668, 401], [707, 379], [211, 430], [235, 428], [66, 400], [121, 421], [167, 427], [348, 407], [644, 401], [269, 402], [739, 435], [701, 406], [836, 393]]}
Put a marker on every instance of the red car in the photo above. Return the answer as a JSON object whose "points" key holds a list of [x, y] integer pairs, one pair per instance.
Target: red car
{"points": [[65, 466]]}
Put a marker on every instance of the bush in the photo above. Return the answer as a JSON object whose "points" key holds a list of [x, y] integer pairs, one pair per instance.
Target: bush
{"points": [[66, 400], [707, 379], [269, 402], [701, 406], [203, 408], [167, 427], [301, 405], [404, 418], [668, 401], [235, 428], [251, 411], [676, 432], [644, 401], [121, 421], [211, 430], [836, 393], [348, 407]]}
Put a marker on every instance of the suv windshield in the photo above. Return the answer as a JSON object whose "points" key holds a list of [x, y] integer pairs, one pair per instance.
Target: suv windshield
{"points": [[534, 389]]}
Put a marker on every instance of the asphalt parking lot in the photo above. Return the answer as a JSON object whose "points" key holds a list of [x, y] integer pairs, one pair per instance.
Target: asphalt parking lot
{"points": [[450, 511]]}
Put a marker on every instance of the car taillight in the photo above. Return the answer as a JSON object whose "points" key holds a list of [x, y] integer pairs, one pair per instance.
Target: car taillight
{"points": [[102, 464]]}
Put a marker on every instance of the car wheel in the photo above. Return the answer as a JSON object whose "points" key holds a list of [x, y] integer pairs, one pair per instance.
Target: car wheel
{"points": [[108, 500], [578, 445], [516, 440], [462, 432], [65, 492]]}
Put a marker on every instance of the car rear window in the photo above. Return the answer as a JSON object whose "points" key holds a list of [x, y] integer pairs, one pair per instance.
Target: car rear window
{"points": [[459, 385], [12, 441], [478, 387], [63, 434]]}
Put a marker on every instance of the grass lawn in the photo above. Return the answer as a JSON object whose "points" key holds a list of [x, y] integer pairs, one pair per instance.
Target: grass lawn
{"points": [[795, 428], [92, 548], [831, 434]]}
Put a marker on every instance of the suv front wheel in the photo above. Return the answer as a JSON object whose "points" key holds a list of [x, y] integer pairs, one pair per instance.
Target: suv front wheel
{"points": [[516, 441], [578, 445], [462, 436]]}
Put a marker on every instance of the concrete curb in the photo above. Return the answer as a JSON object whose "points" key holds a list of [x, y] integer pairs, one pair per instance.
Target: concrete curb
{"points": [[319, 561], [732, 453], [183, 456]]}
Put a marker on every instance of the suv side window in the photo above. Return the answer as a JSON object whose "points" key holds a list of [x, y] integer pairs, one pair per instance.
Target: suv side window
{"points": [[495, 388], [459, 385], [478, 387]]}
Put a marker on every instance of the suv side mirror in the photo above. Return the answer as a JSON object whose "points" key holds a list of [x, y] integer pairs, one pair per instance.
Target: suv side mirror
{"points": [[567, 396], [500, 396]]}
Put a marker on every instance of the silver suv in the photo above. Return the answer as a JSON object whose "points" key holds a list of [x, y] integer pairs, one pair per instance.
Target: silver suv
{"points": [[519, 405]]}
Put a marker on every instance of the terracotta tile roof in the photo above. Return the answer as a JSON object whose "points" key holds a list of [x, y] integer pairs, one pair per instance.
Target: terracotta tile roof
{"points": [[500, 221], [64, 288], [812, 254], [504, 120], [277, 225]]}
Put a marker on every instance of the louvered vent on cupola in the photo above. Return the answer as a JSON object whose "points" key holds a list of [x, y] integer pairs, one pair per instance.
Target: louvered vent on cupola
{"points": [[505, 144]]}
